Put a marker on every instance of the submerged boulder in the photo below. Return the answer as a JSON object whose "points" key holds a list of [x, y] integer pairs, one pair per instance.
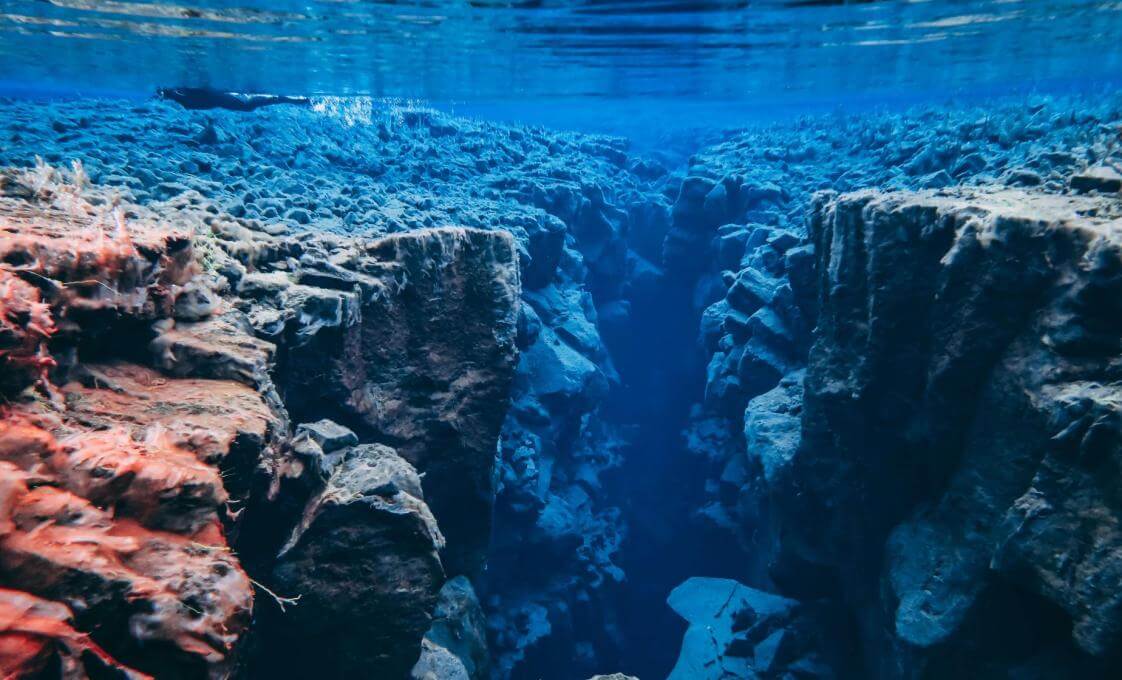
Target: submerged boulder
{"points": [[1101, 178], [455, 647], [364, 567], [740, 632]]}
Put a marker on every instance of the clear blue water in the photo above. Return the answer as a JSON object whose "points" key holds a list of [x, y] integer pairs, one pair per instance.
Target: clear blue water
{"points": [[589, 63], [671, 75]]}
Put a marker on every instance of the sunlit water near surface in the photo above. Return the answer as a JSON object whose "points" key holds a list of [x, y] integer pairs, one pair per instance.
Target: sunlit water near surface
{"points": [[593, 64], [672, 76]]}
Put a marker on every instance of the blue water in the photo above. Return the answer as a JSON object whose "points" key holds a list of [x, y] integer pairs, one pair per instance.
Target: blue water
{"points": [[592, 64], [766, 92]]}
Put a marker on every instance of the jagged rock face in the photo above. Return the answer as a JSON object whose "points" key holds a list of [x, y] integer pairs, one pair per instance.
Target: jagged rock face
{"points": [[158, 422], [957, 479], [437, 359], [113, 503], [588, 221], [408, 339], [364, 562], [752, 191], [455, 647], [111, 267]]}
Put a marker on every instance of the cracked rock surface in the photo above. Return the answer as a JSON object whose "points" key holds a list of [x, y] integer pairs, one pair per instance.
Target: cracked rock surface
{"points": [[957, 474]]}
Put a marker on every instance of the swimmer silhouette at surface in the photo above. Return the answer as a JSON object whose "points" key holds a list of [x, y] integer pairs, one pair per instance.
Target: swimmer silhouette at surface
{"points": [[206, 98]]}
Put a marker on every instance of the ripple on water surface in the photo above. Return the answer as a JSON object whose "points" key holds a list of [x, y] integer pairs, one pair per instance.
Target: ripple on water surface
{"points": [[472, 50]]}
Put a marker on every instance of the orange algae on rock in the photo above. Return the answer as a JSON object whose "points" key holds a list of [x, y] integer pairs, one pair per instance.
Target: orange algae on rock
{"points": [[25, 326], [37, 636], [123, 531], [115, 490], [206, 417]]}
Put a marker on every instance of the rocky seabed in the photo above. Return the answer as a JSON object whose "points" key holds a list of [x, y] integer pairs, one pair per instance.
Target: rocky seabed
{"points": [[420, 397]]}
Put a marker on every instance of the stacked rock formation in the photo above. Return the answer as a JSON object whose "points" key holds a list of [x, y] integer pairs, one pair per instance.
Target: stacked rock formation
{"points": [[148, 461], [115, 515], [957, 470]]}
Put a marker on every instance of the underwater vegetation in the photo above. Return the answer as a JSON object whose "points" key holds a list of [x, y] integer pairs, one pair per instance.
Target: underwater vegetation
{"points": [[348, 389]]}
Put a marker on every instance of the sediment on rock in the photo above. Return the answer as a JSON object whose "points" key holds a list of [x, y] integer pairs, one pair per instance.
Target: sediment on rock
{"points": [[114, 510], [147, 430]]}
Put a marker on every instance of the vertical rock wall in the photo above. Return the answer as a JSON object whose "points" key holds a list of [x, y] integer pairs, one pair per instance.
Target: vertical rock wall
{"points": [[955, 478], [149, 386]]}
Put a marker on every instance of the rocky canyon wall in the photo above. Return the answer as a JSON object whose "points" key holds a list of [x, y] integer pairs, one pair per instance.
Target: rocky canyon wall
{"points": [[279, 198], [428, 395], [919, 486], [956, 480], [163, 518]]}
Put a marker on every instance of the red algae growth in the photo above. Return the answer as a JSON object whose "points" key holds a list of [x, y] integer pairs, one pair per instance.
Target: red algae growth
{"points": [[113, 507]]}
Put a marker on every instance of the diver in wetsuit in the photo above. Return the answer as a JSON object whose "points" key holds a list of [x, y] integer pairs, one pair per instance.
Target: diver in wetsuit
{"points": [[205, 98]]}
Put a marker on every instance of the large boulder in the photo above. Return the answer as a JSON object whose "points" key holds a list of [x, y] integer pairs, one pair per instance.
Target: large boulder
{"points": [[740, 632], [364, 565]]}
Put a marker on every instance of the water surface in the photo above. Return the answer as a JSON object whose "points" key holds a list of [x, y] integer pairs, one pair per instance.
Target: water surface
{"points": [[590, 62]]}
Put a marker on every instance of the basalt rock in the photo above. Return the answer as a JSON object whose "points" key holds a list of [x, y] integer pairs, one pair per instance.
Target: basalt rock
{"points": [[38, 639], [149, 373], [739, 632], [114, 507], [364, 564], [957, 481], [409, 340], [1102, 179], [406, 340], [763, 251], [276, 194], [455, 647]]}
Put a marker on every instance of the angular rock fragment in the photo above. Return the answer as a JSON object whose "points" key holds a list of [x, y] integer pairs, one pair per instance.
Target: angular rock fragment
{"points": [[455, 647], [1101, 178], [219, 347], [739, 632], [364, 565]]}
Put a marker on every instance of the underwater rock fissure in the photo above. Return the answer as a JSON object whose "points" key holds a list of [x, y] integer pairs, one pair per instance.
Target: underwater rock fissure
{"points": [[445, 399]]}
